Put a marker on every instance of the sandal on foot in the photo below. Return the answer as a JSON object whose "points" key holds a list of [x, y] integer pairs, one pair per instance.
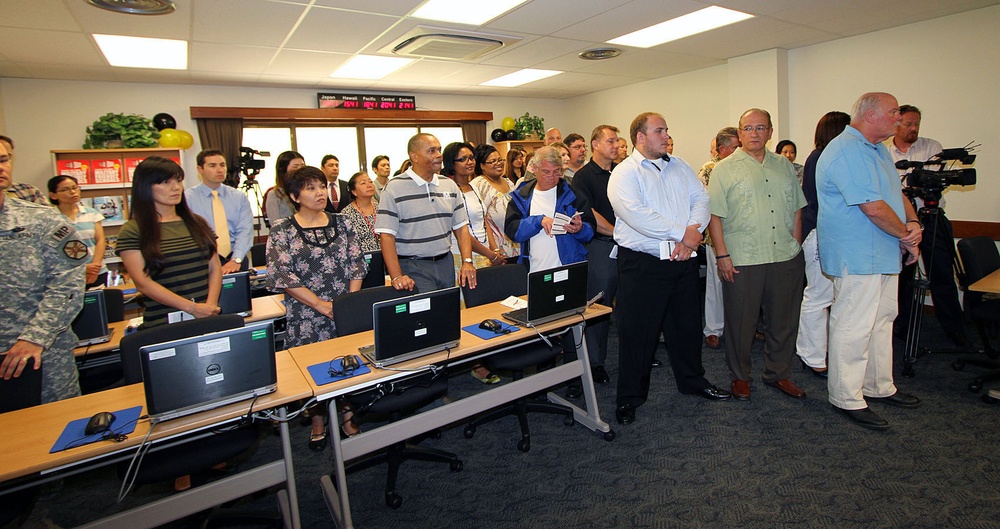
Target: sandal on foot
{"points": [[489, 379], [317, 441]]}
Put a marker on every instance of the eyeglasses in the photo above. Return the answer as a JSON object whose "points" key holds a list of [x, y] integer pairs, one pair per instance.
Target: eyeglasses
{"points": [[759, 128], [494, 162], [67, 189], [465, 159]]}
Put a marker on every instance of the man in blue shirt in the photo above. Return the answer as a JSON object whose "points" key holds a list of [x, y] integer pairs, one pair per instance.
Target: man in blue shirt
{"points": [[237, 237], [864, 224]]}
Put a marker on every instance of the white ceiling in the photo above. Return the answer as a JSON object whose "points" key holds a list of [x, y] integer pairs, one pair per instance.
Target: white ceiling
{"points": [[298, 43]]}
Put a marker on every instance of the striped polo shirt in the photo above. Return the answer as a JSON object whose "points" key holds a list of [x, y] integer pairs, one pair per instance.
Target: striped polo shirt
{"points": [[420, 214]]}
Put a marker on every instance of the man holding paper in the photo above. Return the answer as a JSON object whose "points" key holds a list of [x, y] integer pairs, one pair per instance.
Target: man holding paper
{"points": [[662, 210], [542, 216]]}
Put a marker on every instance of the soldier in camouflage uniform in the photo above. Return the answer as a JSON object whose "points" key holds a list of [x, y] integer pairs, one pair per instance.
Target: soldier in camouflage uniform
{"points": [[43, 262]]}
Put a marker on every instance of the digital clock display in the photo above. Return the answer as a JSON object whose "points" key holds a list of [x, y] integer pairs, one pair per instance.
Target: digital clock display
{"points": [[367, 101]]}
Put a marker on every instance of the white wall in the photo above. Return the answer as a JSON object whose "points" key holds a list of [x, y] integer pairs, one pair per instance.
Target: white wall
{"points": [[42, 115]]}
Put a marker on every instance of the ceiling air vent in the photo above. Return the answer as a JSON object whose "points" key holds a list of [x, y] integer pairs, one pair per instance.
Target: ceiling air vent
{"points": [[448, 44], [136, 7]]}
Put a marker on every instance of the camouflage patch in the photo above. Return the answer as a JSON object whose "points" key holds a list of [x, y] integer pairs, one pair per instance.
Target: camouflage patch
{"points": [[75, 250]]}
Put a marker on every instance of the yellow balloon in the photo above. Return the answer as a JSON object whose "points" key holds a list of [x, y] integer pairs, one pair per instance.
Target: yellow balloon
{"points": [[187, 140], [508, 123], [170, 138]]}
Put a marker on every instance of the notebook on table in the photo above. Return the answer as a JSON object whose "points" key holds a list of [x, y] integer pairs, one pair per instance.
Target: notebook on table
{"points": [[410, 327], [205, 372], [235, 295], [553, 294], [91, 325]]}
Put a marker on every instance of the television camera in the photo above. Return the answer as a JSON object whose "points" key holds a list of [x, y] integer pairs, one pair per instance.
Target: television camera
{"points": [[928, 179]]}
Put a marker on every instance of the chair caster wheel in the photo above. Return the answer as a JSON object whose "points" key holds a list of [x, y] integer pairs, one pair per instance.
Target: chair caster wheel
{"points": [[469, 432], [609, 435], [569, 420], [958, 365], [976, 386], [393, 500], [524, 445], [457, 466]]}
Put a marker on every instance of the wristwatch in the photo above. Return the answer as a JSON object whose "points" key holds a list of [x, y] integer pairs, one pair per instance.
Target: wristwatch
{"points": [[467, 260], [237, 260]]}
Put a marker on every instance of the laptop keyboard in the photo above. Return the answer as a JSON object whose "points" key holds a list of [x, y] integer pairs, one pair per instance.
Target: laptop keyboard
{"points": [[519, 316]]}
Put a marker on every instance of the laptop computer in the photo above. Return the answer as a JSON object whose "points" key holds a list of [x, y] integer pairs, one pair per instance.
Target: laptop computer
{"points": [[553, 294], [406, 328], [91, 325], [205, 372], [235, 295]]}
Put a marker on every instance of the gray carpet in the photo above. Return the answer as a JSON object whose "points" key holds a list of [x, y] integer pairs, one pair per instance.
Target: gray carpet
{"points": [[686, 462]]}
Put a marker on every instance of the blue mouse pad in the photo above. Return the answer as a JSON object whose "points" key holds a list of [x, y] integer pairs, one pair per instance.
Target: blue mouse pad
{"points": [[321, 371], [73, 436], [129, 291], [486, 335]]}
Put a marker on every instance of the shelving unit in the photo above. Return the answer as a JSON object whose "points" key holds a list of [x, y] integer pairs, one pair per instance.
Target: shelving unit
{"points": [[527, 145]]}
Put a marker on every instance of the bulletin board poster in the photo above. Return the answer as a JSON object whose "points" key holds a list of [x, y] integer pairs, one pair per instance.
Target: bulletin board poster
{"points": [[79, 169], [107, 171]]}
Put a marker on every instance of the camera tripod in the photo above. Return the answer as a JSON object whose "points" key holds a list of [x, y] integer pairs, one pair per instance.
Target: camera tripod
{"points": [[251, 188], [930, 216]]}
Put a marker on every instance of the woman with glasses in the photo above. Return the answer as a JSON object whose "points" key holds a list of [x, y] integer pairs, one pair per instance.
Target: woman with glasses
{"points": [[64, 193], [514, 170], [495, 192]]}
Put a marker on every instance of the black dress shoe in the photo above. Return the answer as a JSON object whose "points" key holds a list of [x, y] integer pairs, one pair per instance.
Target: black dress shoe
{"points": [[819, 373], [865, 417], [574, 391], [897, 399], [600, 375], [712, 393], [625, 414], [656, 362]]}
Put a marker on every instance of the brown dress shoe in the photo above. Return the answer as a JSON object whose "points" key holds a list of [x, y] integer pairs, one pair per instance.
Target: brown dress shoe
{"points": [[713, 341], [741, 389], [789, 388]]}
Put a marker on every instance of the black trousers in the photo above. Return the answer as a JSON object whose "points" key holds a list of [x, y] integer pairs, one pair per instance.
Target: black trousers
{"points": [[654, 296], [937, 249]]}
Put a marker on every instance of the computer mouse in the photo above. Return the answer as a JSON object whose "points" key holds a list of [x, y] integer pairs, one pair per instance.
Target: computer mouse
{"points": [[491, 325], [349, 362], [100, 422]]}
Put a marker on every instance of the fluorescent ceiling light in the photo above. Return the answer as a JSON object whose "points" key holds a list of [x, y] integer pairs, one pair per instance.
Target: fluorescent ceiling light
{"points": [[680, 27], [143, 52], [521, 77], [369, 67], [465, 12]]}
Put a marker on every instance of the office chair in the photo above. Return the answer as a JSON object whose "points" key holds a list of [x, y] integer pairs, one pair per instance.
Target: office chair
{"points": [[353, 313], [979, 259], [258, 254], [496, 283], [185, 459], [24, 391]]}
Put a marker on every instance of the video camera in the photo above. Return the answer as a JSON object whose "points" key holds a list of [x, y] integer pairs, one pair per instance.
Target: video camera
{"points": [[250, 166], [928, 179]]}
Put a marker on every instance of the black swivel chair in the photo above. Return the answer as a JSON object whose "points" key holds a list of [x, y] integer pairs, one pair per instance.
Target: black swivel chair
{"points": [[258, 255], [979, 259], [494, 284], [184, 459], [24, 391], [353, 314]]}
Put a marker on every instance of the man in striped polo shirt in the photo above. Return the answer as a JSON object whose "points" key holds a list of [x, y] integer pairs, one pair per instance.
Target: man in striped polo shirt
{"points": [[417, 214]]}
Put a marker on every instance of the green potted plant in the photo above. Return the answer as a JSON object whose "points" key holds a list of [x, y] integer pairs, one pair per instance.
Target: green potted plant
{"points": [[132, 131], [528, 125]]}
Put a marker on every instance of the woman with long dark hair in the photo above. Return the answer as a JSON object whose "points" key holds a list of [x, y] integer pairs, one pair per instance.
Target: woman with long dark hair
{"points": [[64, 193], [810, 344], [514, 169], [169, 252], [276, 201]]}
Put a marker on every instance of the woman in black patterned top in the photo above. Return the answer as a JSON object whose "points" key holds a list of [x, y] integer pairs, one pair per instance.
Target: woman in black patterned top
{"points": [[168, 251], [362, 211]]}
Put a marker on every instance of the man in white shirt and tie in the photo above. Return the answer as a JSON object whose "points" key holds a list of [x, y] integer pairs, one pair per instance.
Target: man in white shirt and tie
{"points": [[221, 205], [337, 194]]}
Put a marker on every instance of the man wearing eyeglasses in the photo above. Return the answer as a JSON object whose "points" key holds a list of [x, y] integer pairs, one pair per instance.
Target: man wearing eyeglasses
{"points": [[23, 191], [577, 155], [756, 229]]}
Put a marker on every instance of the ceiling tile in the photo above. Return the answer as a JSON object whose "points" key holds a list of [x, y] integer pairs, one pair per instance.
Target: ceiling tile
{"points": [[627, 18], [306, 63], [49, 47], [544, 18], [537, 51], [44, 14], [385, 7], [250, 22], [335, 30], [426, 70], [176, 25], [211, 57]]}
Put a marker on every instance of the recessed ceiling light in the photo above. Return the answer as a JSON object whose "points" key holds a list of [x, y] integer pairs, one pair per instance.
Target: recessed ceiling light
{"points": [[135, 7], [143, 52], [521, 77], [684, 26], [465, 12], [369, 67], [600, 54]]}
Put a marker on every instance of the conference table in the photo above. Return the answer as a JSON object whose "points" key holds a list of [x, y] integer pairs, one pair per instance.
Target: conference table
{"points": [[470, 349], [990, 283], [30, 433]]}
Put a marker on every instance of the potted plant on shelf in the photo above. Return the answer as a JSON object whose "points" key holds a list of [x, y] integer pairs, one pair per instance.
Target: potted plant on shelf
{"points": [[530, 127], [112, 131]]}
